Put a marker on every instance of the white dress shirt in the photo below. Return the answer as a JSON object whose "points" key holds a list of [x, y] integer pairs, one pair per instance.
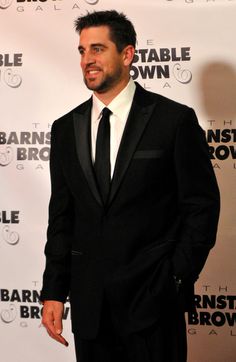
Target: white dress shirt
{"points": [[120, 107]]}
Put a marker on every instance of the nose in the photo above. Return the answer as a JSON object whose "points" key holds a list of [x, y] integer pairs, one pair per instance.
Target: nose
{"points": [[87, 58]]}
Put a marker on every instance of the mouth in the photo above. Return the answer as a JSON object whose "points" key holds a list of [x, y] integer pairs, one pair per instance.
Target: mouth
{"points": [[92, 72]]}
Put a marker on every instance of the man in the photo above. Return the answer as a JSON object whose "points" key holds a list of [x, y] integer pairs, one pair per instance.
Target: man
{"points": [[133, 211]]}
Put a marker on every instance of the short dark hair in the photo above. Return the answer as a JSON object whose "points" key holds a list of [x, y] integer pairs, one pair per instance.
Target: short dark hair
{"points": [[122, 31]]}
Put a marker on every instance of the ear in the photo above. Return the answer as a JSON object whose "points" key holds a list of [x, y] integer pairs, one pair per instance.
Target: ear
{"points": [[128, 55]]}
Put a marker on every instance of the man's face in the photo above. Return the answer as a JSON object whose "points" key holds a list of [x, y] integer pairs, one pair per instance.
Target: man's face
{"points": [[104, 68]]}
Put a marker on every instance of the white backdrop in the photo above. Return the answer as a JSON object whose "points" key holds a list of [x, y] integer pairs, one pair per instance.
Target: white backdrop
{"points": [[186, 51]]}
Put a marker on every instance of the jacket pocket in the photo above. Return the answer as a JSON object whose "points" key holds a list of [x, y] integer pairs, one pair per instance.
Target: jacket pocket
{"points": [[142, 154], [76, 252]]}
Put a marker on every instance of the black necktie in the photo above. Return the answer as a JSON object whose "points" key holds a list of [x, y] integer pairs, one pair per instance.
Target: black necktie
{"points": [[102, 156]]}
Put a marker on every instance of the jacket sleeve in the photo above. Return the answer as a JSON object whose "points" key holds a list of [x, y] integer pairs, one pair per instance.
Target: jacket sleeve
{"points": [[198, 198], [58, 246]]}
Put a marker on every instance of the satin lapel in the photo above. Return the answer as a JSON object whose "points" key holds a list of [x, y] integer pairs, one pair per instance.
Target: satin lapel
{"points": [[83, 147], [136, 123]]}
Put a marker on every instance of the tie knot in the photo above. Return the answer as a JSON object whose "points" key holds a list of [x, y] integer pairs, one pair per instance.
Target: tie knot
{"points": [[106, 112]]}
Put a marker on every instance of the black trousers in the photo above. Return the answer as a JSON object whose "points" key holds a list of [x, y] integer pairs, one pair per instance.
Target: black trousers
{"points": [[165, 341]]}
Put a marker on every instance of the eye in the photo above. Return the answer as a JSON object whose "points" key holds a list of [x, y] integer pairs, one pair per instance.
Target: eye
{"points": [[97, 49], [81, 51]]}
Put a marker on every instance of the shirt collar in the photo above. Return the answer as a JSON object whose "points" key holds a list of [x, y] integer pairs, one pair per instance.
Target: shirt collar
{"points": [[117, 105]]}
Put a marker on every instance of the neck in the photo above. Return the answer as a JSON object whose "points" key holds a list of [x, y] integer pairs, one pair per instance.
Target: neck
{"points": [[107, 96]]}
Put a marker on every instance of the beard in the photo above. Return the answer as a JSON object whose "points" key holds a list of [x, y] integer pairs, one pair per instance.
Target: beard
{"points": [[107, 83]]}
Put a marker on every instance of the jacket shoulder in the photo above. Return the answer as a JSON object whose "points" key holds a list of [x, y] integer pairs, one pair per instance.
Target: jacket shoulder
{"points": [[169, 113], [67, 118], [148, 96]]}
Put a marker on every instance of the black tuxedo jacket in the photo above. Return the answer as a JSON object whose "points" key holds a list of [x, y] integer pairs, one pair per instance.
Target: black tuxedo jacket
{"points": [[160, 220]]}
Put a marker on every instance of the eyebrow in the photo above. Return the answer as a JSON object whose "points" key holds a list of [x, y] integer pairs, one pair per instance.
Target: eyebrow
{"points": [[80, 47]]}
